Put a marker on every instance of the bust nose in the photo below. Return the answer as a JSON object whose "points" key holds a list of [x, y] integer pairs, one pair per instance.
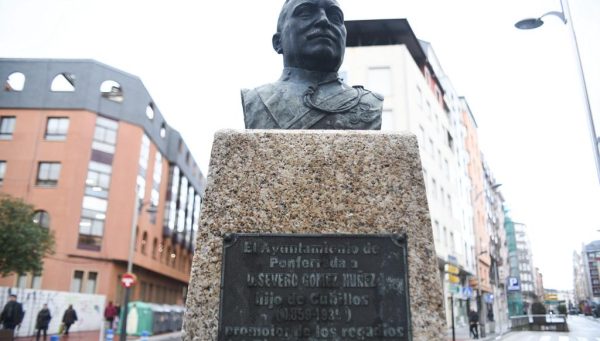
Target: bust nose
{"points": [[321, 19]]}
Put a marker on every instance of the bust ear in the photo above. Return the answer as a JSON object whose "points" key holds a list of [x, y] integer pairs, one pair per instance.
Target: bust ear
{"points": [[277, 43]]}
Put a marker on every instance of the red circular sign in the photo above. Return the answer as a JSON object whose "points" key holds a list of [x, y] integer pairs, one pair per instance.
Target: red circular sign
{"points": [[128, 280]]}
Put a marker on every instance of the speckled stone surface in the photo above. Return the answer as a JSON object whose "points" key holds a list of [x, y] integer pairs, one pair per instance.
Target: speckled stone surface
{"points": [[359, 182]]}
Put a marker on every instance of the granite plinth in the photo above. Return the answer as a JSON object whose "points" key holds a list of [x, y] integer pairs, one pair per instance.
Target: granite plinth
{"points": [[311, 182]]}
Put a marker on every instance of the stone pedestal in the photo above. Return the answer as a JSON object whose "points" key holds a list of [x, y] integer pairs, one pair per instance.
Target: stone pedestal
{"points": [[315, 182]]}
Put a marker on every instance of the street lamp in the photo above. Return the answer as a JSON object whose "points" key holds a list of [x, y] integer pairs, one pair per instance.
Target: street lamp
{"points": [[493, 187], [139, 204], [565, 16]]}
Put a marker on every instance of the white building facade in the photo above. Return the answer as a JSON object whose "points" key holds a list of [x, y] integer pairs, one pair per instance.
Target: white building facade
{"points": [[386, 57]]}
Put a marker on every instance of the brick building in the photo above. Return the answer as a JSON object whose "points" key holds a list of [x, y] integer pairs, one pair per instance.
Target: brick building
{"points": [[86, 145]]}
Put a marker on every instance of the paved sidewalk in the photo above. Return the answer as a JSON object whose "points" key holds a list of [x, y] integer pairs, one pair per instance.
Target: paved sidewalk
{"points": [[462, 334], [95, 335]]}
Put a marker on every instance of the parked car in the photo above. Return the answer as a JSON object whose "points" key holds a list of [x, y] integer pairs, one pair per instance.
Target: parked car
{"points": [[574, 311]]}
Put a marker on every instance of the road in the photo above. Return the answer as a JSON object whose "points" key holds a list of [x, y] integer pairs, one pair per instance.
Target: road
{"points": [[580, 329]]}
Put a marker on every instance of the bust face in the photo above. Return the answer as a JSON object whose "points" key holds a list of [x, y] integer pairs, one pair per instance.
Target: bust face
{"points": [[311, 35]]}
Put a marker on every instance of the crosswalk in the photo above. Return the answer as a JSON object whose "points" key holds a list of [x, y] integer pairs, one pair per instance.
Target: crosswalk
{"points": [[549, 337], [564, 338]]}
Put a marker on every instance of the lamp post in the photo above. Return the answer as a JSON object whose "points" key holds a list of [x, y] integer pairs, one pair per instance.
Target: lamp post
{"points": [[139, 204], [565, 16]]}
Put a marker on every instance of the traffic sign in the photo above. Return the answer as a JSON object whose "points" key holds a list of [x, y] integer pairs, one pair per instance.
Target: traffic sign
{"points": [[451, 269], [453, 278], [128, 280], [513, 284]]}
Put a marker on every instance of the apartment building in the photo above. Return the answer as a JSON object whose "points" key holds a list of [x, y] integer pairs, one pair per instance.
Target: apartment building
{"points": [[385, 56], [87, 146]]}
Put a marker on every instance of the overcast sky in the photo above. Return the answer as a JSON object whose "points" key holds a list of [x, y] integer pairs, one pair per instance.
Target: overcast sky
{"points": [[522, 86]]}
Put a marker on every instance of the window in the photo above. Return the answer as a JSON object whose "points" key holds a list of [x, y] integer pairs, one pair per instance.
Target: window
{"points": [[380, 80], [419, 97], [144, 156], [450, 141], [168, 255], [445, 236], [36, 282], [438, 95], [154, 248], [22, 281], [447, 168], [156, 178], [64, 82], [7, 126], [431, 147], [182, 205], [15, 82], [163, 130], [91, 224], [98, 179], [112, 91], [171, 210], [105, 135], [77, 281], [387, 119], [422, 136], [42, 218], [144, 242], [56, 128], [2, 171], [90, 284], [150, 111], [29, 281], [48, 173], [172, 259]]}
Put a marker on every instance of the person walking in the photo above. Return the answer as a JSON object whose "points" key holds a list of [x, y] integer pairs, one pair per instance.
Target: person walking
{"points": [[473, 324], [109, 314], [42, 322], [11, 316], [69, 317]]}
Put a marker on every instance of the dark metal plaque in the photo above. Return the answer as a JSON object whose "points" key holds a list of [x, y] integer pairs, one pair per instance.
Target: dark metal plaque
{"points": [[314, 288]]}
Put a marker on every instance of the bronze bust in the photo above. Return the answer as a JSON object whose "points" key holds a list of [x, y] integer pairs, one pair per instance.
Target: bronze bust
{"points": [[311, 36]]}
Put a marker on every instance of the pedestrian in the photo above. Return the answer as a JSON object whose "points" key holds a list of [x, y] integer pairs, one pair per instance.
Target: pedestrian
{"points": [[118, 317], [473, 324], [12, 315], [490, 315], [109, 314], [42, 322], [69, 317]]}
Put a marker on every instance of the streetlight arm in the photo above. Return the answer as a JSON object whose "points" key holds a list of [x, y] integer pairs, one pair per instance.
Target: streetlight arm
{"points": [[565, 16], [560, 15]]}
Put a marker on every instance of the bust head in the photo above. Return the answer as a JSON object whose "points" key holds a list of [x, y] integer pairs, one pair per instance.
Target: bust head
{"points": [[311, 35]]}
